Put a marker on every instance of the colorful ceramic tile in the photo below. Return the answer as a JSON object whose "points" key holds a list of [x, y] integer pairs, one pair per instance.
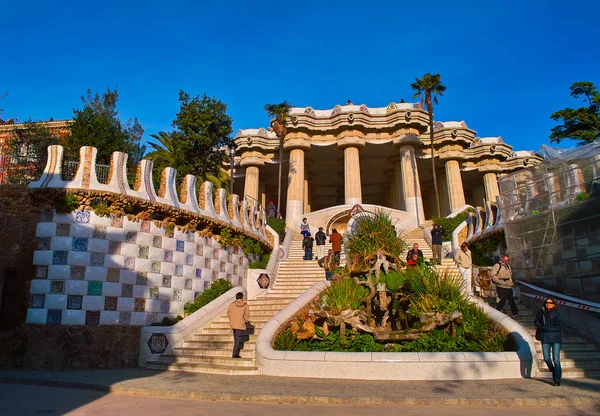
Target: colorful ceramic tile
{"points": [[41, 272], [113, 275], [47, 215], [139, 305], [131, 237], [114, 247], [164, 306], [214, 275], [129, 263], [180, 245], [82, 217], [100, 231], [230, 258], [63, 230], [43, 243], [94, 288], [154, 292], [199, 249], [179, 270], [157, 241], [177, 295], [92, 318], [189, 260], [190, 237], [156, 266], [188, 284], [198, 273], [110, 303], [206, 285], [77, 273], [116, 221], [141, 278], [145, 227], [57, 286], [216, 254], [151, 318], [166, 281], [143, 254], [222, 267], [59, 257], [37, 301], [168, 256], [126, 290], [97, 259], [236, 269], [54, 316], [125, 318], [208, 241], [241, 261], [79, 244], [196, 294], [207, 263], [74, 301]]}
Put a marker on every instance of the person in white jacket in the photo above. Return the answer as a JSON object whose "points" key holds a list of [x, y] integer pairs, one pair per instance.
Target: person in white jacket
{"points": [[464, 261]]}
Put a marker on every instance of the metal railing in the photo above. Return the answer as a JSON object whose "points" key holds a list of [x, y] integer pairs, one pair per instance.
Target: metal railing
{"points": [[69, 170]]}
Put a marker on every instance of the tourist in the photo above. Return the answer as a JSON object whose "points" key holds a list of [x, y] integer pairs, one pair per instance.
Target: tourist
{"points": [[329, 263], [414, 250], [548, 322], [436, 243], [307, 245], [464, 262], [271, 210], [502, 277], [320, 239], [239, 315], [414, 260], [304, 227], [335, 239]]}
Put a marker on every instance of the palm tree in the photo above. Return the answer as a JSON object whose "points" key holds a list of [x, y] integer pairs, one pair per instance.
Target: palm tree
{"points": [[279, 114], [427, 88], [164, 151]]}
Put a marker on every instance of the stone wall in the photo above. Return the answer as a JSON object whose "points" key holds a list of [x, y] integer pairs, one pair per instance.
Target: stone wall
{"points": [[92, 270]]}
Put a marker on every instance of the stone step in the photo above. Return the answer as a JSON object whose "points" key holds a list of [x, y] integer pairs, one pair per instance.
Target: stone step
{"points": [[204, 368], [572, 346], [216, 345], [212, 352], [259, 302], [571, 372], [221, 331], [219, 338], [570, 363], [286, 291], [256, 319], [575, 355], [207, 359], [225, 325]]}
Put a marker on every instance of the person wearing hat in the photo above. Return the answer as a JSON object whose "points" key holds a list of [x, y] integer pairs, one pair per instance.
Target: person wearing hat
{"points": [[271, 210]]}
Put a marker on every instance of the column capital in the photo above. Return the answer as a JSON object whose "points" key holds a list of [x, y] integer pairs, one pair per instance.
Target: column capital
{"points": [[296, 143], [407, 139], [350, 142], [450, 155], [251, 161], [489, 168]]}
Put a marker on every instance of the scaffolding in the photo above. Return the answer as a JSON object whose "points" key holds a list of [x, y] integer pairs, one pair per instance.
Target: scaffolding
{"points": [[552, 222]]}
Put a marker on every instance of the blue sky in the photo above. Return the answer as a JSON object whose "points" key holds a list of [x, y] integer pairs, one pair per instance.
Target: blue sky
{"points": [[507, 65]]}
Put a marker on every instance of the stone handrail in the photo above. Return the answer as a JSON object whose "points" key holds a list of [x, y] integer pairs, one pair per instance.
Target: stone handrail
{"points": [[226, 210], [390, 365], [173, 336], [252, 275]]}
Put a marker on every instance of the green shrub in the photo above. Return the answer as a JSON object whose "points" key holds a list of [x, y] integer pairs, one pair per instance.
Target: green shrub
{"points": [[438, 341], [65, 204], [582, 196], [261, 264], [394, 280], [450, 224], [166, 321], [216, 289], [226, 239], [252, 247], [286, 341], [344, 294], [277, 224], [482, 260], [100, 208]]}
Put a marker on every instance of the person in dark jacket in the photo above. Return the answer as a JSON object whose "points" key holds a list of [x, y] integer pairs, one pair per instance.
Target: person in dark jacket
{"points": [[320, 239], [307, 245], [414, 250], [549, 321], [436, 243]]}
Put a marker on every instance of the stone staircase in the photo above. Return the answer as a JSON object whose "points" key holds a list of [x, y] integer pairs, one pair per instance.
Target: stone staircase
{"points": [[578, 357], [209, 350], [416, 236]]}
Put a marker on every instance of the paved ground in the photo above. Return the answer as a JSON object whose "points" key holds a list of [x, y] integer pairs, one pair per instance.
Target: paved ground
{"points": [[148, 383], [22, 400]]}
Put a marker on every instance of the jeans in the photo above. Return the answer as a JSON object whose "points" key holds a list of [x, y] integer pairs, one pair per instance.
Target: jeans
{"points": [[554, 363], [308, 254], [506, 295], [320, 251], [238, 342], [304, 233], [328, 275]]}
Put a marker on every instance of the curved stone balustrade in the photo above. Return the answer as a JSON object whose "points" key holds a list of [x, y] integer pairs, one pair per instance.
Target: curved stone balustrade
{"points": [[251, 219]]}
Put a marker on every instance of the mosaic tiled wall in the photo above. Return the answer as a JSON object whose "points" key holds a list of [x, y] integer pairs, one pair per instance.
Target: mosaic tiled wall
{"points": [[94, 270]]}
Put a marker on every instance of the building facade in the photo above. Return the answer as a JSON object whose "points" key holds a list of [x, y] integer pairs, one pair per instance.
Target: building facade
{"points": [[355, 154]]}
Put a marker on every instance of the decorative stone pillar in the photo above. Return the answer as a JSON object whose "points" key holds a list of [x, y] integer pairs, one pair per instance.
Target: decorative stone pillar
{"points": [[352, 183], [490, 179], [398, 192], [295, 193], [411, 187], [444, 195], [456, 193], [251, 183], [306, 194]]}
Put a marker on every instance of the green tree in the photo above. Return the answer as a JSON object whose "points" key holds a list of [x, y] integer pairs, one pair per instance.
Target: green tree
{"points": [[98, 125], [581, 124], [279, 114], [427, 88], [196, 147]]}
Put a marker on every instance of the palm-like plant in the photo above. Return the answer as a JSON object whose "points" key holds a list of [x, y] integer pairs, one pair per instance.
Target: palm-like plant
{"points": [[164, 151], [427, 88], [279, 114]]}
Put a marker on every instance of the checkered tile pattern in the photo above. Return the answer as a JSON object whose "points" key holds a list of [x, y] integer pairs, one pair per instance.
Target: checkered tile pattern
{"points": [[94, 270]]}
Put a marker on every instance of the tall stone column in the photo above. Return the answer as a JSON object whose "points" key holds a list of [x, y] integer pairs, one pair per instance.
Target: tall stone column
{"points": [[306, 194], [399, 193], [456, 193], [251, 183], [490, 180], [411, 187], [352, 183], [295, 193]]}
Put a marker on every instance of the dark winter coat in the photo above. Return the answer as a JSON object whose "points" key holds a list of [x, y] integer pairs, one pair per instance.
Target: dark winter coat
{"points": [[307, 243], [436, 236], [550, 322], [320, 237], [411, 252]]}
